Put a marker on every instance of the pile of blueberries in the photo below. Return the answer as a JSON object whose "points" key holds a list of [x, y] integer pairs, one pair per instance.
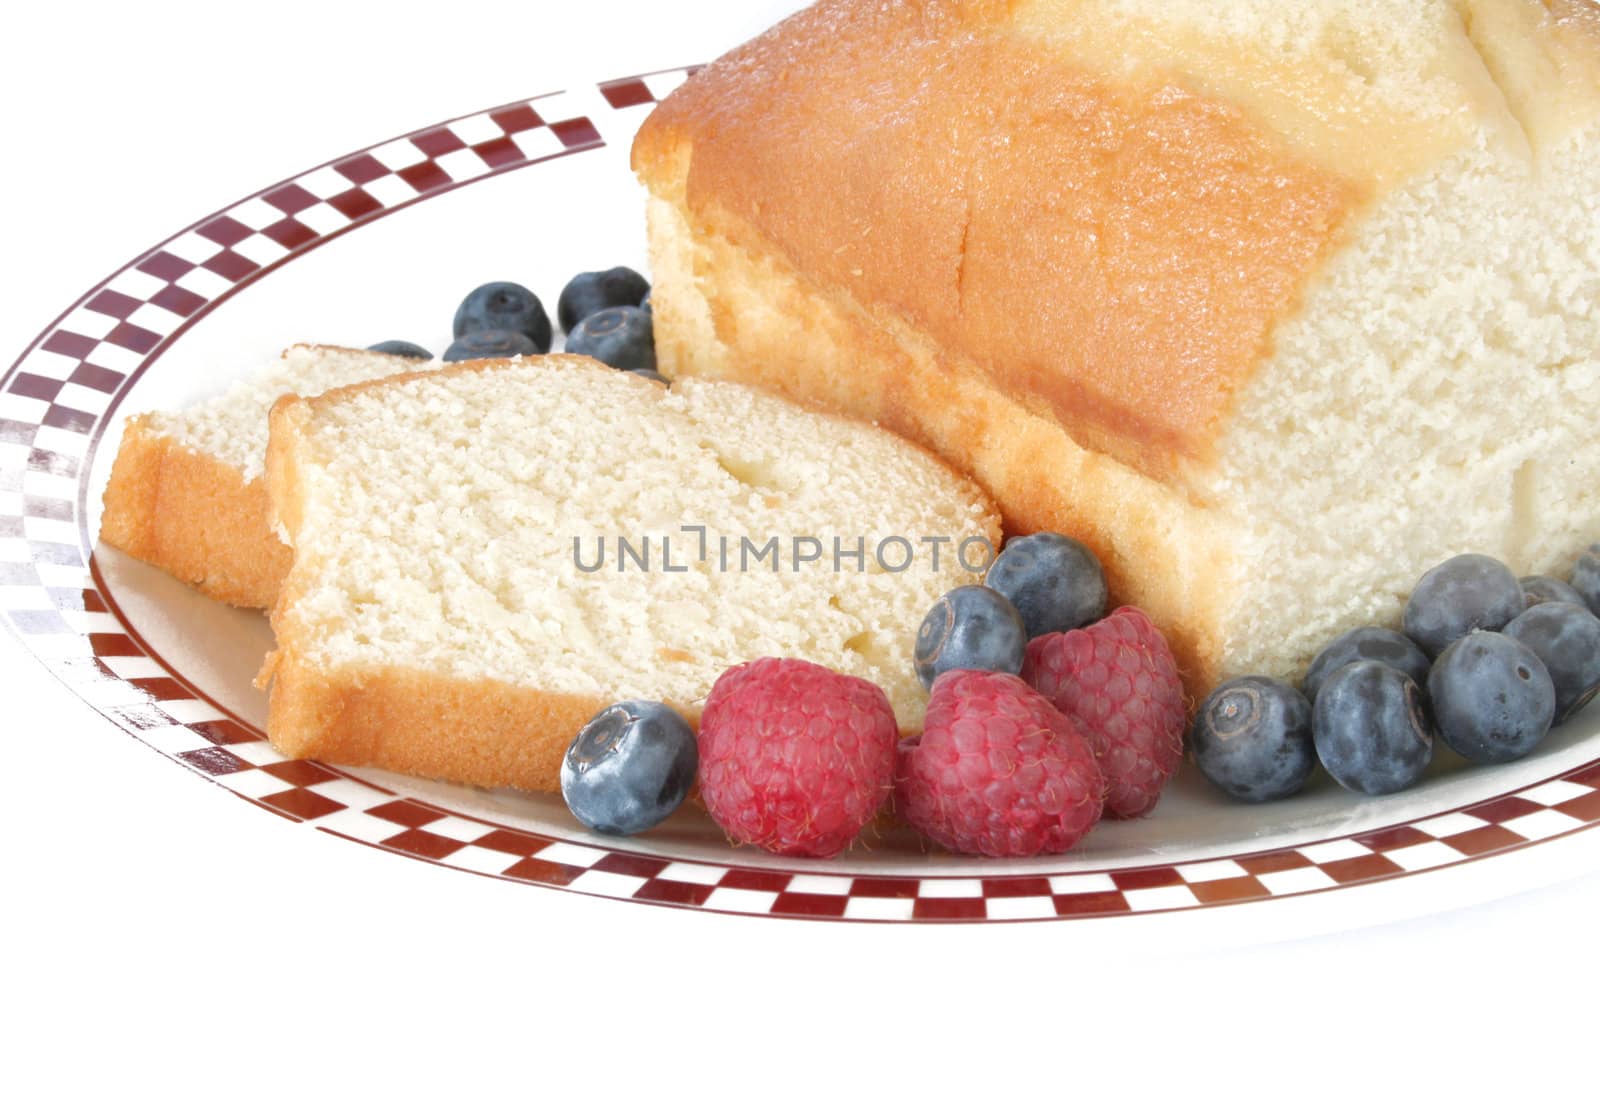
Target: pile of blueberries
{"points": [[1486, 662], [1041, 583], [605, 314]]}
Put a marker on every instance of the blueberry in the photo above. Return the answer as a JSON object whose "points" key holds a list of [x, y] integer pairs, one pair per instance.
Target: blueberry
{"points": [[1538, 589], [644, 302], [1054, 581], [489, 344], [1370, 728], [1464, 593], [1566, 639], [971, 627], [1586, 577], [620, 337], [1367, 643], [401, 348], [629, 768], [1252, 738], [592, 291], [652, 375], [1492, 698], [504, 306]]}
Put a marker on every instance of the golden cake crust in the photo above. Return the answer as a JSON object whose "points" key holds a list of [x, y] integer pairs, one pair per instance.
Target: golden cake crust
{"points": [[499, 736], [1104, 216], [194, 517], [1114, 256]]}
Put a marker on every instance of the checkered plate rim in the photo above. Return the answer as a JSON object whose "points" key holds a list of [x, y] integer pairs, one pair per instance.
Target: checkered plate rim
{"points": [[58, 398]]}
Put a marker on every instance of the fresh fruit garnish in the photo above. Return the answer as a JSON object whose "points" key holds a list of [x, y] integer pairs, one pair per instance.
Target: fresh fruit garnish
{"points": [[795, 758], [1054, 581], [621, 336], [402, 348], [1464, 593], [590, 291], [504, 306], [489, 343], [1566, 639], [970, 627], [1252, 738], [1367, 643], [1492, 698], [997, 770], [1371, 729], [1586, 577], [629, 768], [1117, 677], [1538, 589]]}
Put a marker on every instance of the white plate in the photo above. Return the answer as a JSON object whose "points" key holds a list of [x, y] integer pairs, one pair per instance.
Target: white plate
{"points": [[380, 245]]}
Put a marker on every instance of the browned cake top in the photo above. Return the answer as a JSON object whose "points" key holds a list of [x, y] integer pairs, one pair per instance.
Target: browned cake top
{"points": [[1112, 242], [1114, 255]]}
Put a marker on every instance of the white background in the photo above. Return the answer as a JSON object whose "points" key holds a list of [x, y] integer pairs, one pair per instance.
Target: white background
{"points": [[161, 935]]}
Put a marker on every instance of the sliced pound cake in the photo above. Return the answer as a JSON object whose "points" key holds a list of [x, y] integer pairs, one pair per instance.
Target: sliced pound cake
{"points": [[1276, 305], [486, 555], [186, 492]]}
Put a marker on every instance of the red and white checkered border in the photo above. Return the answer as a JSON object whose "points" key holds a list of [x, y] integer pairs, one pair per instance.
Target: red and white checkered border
{"points": [[58, 398]]}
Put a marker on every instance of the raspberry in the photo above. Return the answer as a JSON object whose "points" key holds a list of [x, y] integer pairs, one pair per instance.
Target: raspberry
{"points": [[1118, 678], [795, 758], [998, 770]]}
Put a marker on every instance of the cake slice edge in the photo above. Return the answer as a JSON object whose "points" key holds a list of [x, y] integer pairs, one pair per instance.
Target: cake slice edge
{"points": [[198, 517], [193, 516], [502, 735]]}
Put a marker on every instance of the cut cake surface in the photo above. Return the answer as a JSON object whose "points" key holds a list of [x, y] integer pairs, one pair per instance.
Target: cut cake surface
{"points": [[187, 493], [448, 613]]}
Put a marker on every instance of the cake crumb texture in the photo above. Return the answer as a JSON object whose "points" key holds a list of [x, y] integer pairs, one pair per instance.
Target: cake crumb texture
{"points": [[186, 492], [435, 521]]}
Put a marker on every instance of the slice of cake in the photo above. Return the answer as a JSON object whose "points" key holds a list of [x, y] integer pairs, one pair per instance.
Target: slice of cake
{"points": [[186, 492], [487, 554], [1275, 305]]}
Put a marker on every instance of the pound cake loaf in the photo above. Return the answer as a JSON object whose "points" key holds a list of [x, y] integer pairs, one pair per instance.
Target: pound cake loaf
{"points": [[186, 492], [488, 554], [1274, 305]]}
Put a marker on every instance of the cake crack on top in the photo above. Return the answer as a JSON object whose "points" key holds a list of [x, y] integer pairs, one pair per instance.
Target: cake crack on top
{"points": [[1481, 49]]}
